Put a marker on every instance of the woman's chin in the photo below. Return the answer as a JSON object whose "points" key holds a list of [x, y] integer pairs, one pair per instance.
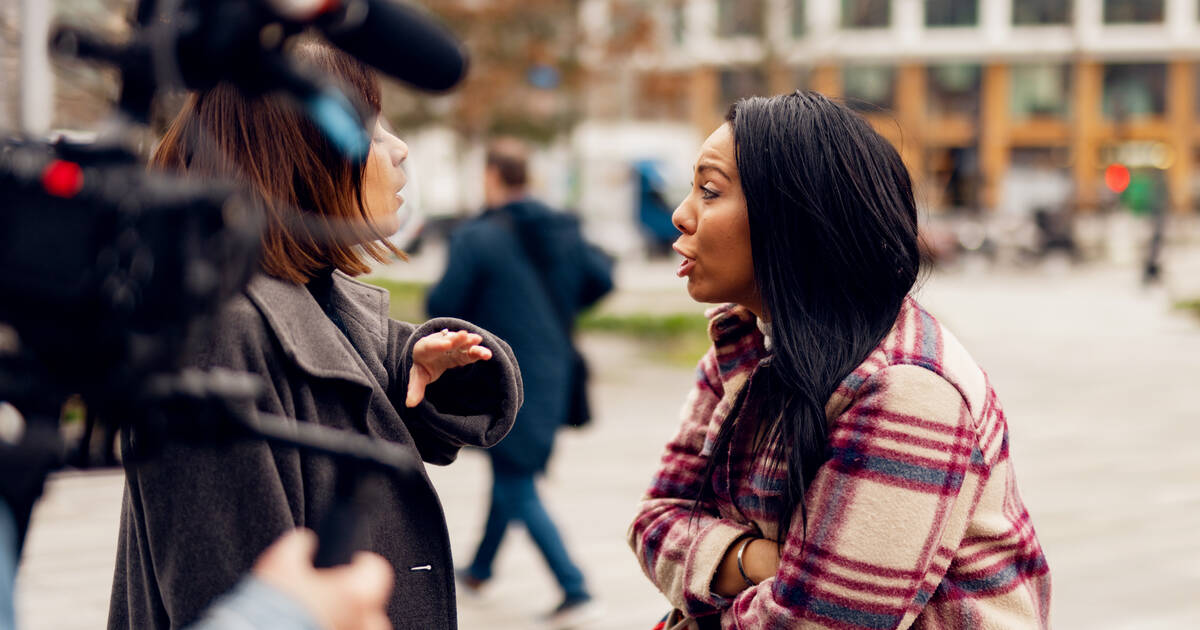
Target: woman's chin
{"points": [[387, 226], [696, 292]]}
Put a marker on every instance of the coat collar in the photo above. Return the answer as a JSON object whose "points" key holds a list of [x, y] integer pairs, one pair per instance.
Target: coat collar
{"points": [[310, 339], [740, 345], [741, 348]]}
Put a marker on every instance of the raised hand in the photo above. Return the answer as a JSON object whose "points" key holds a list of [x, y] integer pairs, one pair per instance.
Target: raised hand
{"points": [[436, 353]]}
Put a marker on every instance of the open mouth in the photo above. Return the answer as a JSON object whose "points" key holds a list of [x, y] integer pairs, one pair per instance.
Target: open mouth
{"points": [[685, 267]]}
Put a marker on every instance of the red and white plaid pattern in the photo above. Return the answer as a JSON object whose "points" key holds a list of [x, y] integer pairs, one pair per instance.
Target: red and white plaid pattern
{"points": [[915, 521]]}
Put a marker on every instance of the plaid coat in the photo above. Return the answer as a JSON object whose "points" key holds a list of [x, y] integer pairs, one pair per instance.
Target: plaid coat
{"points": [[914, 522]]}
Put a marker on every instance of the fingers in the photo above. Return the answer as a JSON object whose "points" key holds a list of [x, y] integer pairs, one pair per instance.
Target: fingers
{"points": [[446, 342], [418, 378], [365, 584], [303, 541], [436, 353], [348, 597], [372, 575], [293, 550], [480, 353]]}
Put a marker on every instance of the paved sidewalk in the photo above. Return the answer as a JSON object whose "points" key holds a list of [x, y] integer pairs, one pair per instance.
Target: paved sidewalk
{"points": [[1098, 377]]}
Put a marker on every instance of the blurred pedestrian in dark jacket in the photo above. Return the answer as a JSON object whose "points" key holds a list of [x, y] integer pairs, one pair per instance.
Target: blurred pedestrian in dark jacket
{"points": [[523, 271]]}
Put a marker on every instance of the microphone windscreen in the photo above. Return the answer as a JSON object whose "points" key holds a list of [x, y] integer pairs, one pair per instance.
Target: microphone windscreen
{"points": [[400, 41]]}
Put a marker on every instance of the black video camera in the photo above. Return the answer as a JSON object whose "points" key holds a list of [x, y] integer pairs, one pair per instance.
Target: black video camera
{"points": [[109, 268], [108, 265]]}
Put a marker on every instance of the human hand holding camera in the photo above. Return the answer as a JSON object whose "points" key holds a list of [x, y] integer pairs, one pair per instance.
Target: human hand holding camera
{"points": [[348, 597]]}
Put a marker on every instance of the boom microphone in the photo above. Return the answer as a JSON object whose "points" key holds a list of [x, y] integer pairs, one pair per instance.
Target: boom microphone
{"points": [[397, 39]]}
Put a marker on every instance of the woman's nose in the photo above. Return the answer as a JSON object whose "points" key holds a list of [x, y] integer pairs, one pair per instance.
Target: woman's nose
{"points": [[682, 218], [399, 152]]}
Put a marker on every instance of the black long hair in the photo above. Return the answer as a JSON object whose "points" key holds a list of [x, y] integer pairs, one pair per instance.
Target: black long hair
{"points": [[833, 235]]}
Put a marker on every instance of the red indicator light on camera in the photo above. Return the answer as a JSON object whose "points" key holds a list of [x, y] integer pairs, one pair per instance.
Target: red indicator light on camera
{"points": [[62, 179]]}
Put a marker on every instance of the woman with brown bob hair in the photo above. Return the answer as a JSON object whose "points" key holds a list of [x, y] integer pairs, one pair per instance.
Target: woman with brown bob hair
{"points": [[195, 518]]}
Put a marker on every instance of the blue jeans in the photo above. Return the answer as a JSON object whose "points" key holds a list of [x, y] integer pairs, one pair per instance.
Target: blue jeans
{"points": [[8, 566], [514, 497]]}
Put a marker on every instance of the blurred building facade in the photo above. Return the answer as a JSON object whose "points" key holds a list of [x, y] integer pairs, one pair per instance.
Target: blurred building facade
{"points": [[1009, 106], [994, 104], [82, 93]]}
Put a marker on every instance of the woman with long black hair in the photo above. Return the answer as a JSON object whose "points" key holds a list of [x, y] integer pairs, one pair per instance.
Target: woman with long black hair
{"points": [[842, 460]]}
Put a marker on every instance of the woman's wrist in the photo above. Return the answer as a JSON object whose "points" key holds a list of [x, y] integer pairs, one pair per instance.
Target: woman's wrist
{"points": [[760, 559], [741, 567], [747, 561]]}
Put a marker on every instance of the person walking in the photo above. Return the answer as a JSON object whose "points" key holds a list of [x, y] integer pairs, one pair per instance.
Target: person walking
{"points": [[523, 271]]}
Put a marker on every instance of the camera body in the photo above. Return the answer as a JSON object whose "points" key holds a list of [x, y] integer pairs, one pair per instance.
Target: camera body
{"points": [[109, 265]]}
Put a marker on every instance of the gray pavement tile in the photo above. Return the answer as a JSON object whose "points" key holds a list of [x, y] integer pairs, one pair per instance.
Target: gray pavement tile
{"points": [[1098, 379]]}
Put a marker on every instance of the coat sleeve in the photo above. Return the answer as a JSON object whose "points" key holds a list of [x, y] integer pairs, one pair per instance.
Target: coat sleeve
{"points": [[885, 513], [196, 515], [680, 549], [473, 405]]}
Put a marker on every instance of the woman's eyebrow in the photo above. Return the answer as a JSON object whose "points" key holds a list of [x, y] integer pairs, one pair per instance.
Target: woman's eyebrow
{"points": [[700, 168]]}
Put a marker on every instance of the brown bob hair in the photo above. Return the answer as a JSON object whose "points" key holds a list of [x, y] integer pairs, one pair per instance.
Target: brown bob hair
{"points": [[310, 193]]}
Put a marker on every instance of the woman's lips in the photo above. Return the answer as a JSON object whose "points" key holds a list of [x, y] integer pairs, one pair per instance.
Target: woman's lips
{"points": [[685, 267]]}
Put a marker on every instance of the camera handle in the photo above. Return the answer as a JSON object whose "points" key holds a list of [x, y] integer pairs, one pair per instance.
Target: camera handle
{"points": [[341, 531], [360, 459]]}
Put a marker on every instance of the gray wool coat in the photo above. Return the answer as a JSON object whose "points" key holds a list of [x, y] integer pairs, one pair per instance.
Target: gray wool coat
{"points": [[195, 518]]}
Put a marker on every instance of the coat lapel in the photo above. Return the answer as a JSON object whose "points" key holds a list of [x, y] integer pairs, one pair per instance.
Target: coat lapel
{"points": [[364, 311], [305, 334]]}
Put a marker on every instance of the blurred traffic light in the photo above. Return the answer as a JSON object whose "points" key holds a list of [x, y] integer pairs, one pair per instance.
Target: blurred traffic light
{"points": [[1117, 177]]}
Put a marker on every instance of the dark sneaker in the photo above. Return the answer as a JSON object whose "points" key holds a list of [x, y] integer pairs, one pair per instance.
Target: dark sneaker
{"points": [[574, 612]]}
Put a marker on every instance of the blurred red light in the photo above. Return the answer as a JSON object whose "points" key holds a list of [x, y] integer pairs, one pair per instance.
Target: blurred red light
{"points": [[1116, 177], [62, 179]]}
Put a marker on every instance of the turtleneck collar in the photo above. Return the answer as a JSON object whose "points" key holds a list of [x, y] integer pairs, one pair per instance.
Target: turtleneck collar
{"points": [[764, 327]]}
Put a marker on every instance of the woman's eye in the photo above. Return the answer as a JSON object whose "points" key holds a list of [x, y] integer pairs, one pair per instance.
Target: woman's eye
{"points": [[707, 193]]}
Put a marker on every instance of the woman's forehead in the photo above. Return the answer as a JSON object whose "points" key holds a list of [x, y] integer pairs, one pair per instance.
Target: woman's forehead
{"points": [[717, 152]]}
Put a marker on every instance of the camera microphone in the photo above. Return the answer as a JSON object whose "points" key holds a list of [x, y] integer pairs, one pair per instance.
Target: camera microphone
{"points": [[397, 39]]}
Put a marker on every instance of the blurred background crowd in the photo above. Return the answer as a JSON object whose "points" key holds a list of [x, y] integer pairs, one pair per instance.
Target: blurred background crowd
{"points": [[1055, 149]]}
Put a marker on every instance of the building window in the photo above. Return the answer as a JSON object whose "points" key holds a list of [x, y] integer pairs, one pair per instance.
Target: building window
{"points": [[739, 83], [678, 23], [866, 13], [954, 89], [1039, 12], [1133, 11], [740, 18], [799, 19], [1196, 100], [951, 12], [869, 88], [1134, 90], [1040, 90], [662, 96]]}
